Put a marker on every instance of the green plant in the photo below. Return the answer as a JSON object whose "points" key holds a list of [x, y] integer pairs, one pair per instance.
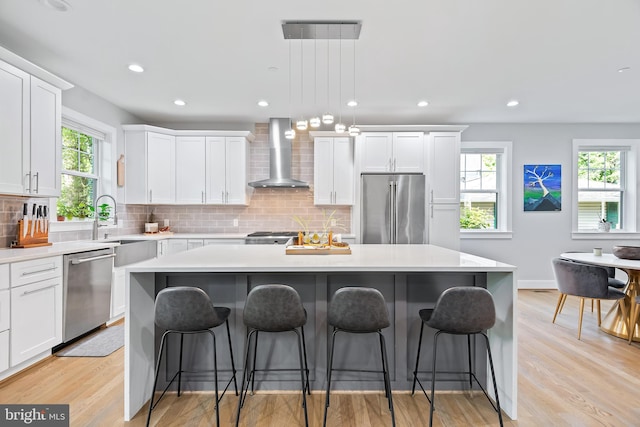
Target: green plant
{"points": [[82, 210], [474, 218], [103, 213]]}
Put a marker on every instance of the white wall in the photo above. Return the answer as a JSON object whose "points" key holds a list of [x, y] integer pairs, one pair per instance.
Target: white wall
{"points": [[540, 236]]}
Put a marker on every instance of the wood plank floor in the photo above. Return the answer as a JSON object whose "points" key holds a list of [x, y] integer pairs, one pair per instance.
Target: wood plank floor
{"points": [[562, 382]]}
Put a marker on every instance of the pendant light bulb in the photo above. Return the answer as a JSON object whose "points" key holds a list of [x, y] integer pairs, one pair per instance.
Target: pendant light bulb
{"points": [[315, 122], [354, 130], [301, 124], [327, 118], [340, 128], [290, 134]]}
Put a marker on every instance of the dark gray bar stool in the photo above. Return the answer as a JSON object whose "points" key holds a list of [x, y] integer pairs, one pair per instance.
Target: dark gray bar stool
{"points": [[461, 310], [188, 310], [273, 308], [359, 310]]}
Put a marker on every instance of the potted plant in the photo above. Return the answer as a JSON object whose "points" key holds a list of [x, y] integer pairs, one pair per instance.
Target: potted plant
{"points": [[83, 211], [104, 211]]}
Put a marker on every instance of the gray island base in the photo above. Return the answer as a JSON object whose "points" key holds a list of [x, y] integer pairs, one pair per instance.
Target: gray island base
{"points": [[409, 276]]}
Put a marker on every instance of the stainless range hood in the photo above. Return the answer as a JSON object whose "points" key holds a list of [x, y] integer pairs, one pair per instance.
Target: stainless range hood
{"points": [[279, 158]]}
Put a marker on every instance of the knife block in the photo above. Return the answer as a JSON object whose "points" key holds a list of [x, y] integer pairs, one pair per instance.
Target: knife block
{"points": [[39, 238]]}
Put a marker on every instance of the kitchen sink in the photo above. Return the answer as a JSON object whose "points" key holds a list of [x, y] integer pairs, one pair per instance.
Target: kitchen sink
{"points": [[132, 251]]}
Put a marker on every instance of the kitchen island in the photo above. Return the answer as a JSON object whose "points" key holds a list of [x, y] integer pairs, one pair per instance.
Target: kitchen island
{"points": [[409, 276]]}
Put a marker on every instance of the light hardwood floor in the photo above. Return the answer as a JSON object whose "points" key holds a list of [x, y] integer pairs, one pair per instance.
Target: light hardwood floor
{"points": [[562, 382]]}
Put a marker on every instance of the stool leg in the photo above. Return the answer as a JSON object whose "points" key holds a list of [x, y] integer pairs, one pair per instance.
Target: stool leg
{"points": [[306, 366], [493, 378], [326, 403], [253, 366], [386, 390], [302, 377], [470, 368], [244, 376], [415, 371], [387, 380], [433, 376], [180, 365], [233, 365], [215, 376], [155, 381]]}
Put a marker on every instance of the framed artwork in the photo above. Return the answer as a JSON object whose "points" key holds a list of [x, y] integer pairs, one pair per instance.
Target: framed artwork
{"points": [[542, 188]]}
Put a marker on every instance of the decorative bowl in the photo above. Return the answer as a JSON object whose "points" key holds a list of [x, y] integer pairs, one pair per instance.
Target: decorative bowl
{"points": [[627, 252]]}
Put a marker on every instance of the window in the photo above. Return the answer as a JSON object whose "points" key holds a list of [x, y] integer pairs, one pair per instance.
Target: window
{"points": [[603, 171], [485, 170], [88, 166]]}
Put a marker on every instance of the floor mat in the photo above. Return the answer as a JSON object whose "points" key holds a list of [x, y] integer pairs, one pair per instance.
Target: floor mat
{"points": [[100, 344]]}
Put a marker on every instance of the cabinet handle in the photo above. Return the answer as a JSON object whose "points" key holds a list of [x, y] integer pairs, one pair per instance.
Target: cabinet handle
{"points": [[38, 290], [431, 210], [222, 196], [431, 196], [226, 199], [95, 258], [203, 197], [29, 273], [395, 164], [37, 182], [150, 196], [29, 181]]}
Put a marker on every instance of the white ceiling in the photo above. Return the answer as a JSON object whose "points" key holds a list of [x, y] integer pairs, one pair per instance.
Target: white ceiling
{"points": [[559, 58]]}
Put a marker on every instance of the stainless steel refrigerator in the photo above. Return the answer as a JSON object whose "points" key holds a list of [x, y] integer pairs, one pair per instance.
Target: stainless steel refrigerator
{"points": [[393, 208]]}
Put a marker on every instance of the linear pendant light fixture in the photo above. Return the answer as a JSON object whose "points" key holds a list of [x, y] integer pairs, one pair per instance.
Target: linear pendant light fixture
{"points": [[320, 30]]}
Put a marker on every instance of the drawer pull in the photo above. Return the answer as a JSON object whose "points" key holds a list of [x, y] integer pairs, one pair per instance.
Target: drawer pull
{"points": [[95, 258], [38, 290], [28, 273]]}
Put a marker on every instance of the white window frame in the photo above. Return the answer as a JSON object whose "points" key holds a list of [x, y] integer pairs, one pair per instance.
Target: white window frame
{"points": [[631, 179], [504, 181], [105, 168]]}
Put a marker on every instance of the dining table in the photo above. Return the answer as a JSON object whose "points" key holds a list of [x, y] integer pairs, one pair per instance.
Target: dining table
{"points": [[617, 321]]}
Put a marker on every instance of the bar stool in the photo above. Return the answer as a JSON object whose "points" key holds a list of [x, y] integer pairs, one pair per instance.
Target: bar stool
{"points": [[461, 310], [359, 310], [188, 310], [273, 308]]}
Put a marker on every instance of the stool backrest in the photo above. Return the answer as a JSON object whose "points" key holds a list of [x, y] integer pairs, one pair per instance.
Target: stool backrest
{"points": [[274, 308], [584, 280], [463, 310], [185, 308], [358, 309]]}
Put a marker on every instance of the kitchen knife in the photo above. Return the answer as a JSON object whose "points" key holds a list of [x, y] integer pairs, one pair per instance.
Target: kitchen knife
{"points": [[25, 219], [39, 219], [45, 219], [33, 219]]}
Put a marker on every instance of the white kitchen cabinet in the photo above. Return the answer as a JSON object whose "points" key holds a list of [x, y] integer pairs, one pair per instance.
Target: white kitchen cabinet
{"points": [[4, 350], [177, 245], [4, 276], [163, 248], [190, 169], [221, 241], [227, 169], [36, 318], [391, 152], [194, 243], [333, 171], [149, 167], [444, 225], [444, 167], [118, 283], [30, 147]]}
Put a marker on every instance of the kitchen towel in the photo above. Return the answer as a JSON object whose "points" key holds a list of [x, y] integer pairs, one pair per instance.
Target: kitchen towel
{"points": [[100, 344]]}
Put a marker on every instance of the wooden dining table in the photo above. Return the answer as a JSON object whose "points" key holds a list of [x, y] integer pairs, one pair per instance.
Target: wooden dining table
{"points": [[615, 322]]}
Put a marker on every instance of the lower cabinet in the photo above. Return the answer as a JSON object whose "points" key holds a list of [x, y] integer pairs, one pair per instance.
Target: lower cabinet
{"points": [[5, 301], [4, 350], [36, 318], [117, 292]]}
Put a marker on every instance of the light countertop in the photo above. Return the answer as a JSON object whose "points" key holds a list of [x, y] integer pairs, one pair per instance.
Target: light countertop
{"points": [[265, 258], [63, 248]]}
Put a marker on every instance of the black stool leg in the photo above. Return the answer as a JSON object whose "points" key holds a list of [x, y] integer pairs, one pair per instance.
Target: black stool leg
{"points": [[302, 377], [493, 378], [326, 403], [252, 375], [470, 368], [306, 366], [155, 381], [243, 392], [386, 376], [215, 376], [180, 366], [415, 371], [433, 376], [233, 365]]}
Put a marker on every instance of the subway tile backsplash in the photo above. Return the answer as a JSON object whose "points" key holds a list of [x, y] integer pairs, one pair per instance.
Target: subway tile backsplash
{"points": [[269, 209]]}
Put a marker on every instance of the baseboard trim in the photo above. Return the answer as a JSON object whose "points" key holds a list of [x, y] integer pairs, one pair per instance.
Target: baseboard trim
{"points": [[537, 284]]}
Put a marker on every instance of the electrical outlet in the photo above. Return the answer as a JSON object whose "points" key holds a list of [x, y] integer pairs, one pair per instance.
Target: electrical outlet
{"points": [[235, 222], [333, 222], [166, 223]]}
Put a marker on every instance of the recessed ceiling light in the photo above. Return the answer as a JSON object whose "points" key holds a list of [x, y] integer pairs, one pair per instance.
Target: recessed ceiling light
{"points": [[57, 5], [623, 69], [272, 68], [423, 103], [179, 102], [352, 103], [263, 103], [513, 103], [136, 68]]}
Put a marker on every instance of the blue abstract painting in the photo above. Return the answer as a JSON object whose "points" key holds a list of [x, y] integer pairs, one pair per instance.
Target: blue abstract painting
{"points": [[542, 187]]}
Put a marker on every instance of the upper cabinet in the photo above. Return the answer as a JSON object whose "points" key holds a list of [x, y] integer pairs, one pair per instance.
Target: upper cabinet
{"points": [[444, 167], [149, 168], [30, 144], [227, 170], [333, 171], [164, 166], [392, 152]]}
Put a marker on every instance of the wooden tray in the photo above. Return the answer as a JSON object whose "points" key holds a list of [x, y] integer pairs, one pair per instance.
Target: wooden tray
{"points": [[317, 250], [39, 238]]}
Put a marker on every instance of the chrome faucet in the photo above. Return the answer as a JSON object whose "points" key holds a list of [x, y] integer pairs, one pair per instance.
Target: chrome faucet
{"points": [[95, 215]]}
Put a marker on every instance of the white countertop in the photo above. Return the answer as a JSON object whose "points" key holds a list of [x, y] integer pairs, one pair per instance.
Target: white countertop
{"points": [[265, 258], [608, 260], [25, 254], [162, 236]]}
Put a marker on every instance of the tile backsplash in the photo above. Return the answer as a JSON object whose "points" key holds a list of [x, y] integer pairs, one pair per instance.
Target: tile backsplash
{"points": [[269, 209]]}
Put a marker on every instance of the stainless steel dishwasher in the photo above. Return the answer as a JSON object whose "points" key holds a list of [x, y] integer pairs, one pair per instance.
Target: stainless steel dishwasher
{"points": [[86, 291]]}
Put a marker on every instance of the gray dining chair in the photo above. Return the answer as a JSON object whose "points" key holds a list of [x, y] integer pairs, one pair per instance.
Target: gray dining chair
{"points": [[584, 281]]}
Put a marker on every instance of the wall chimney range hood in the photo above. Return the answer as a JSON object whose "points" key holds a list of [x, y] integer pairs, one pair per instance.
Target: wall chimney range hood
{"points": [[279, 158]]}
